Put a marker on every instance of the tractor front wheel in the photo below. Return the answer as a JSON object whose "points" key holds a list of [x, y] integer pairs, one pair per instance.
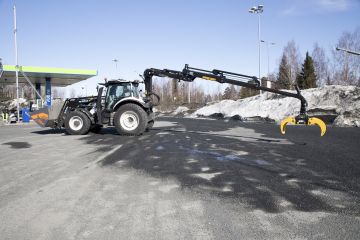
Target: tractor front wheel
{"points": [[77, 123], [130, 119]]}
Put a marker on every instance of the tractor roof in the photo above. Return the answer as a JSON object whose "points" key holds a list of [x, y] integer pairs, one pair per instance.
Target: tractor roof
{"points": [[117, 81], [112, 81]]}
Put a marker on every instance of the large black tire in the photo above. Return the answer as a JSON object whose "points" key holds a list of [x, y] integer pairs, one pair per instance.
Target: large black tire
{"points": [[77, 123], [130, 119]]}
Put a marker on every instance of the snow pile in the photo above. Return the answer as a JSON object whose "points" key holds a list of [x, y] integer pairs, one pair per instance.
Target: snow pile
{"points": [[337, 104], [180, 111]]}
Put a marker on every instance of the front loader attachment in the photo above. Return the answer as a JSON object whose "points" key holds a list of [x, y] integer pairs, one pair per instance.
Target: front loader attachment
{"points": [[41, 116], [49, 116]]}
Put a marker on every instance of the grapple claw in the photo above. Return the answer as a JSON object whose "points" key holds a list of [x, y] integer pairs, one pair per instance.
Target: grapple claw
{"points": [[319, 122], [303, 120], [285, 122]]}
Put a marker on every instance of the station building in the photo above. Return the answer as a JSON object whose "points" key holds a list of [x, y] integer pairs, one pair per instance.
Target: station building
{"points": [[44, 78]]}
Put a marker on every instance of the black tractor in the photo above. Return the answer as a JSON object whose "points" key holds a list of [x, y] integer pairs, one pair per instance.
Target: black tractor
{"points": [[119, 103]]}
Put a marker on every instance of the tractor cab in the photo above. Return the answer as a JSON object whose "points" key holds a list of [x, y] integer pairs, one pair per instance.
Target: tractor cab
{"points": [[117, 90], [114, 95]]}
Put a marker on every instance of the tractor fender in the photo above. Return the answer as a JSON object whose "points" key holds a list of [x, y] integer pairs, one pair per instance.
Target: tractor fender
{"points": [[135, 100], [87, 113]]}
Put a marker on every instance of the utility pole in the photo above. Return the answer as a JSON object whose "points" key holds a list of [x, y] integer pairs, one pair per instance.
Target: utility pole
{"points": [[115, 61], [258, 10], [16, 67], [189, 92], [348, 51], [268, 54], [1, 68]]}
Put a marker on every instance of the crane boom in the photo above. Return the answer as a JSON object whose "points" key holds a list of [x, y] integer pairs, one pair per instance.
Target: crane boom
{"points": [[189, 74]]}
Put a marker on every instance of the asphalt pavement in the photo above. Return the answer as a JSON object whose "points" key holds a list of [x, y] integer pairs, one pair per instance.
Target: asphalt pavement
{"points": [[184, 179]]}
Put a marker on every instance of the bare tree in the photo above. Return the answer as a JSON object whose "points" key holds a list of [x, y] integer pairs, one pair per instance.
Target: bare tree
{"points": [[230, 92], [218, 94], [284, 75], [346, 66], [175, 89], [272, 77], [291, 51], [321, 63]]}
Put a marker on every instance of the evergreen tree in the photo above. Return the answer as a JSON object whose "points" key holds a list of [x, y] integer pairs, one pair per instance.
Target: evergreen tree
{"points": [[284, 76], [300, 81], [307, 78]]}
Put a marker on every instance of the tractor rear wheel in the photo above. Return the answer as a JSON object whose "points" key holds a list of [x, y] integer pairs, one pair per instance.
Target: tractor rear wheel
{"points": [[77, 123], [130, 119]]}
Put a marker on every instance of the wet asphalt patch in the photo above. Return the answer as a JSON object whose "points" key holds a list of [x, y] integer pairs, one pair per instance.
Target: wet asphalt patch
{"points": [[18, 145]]}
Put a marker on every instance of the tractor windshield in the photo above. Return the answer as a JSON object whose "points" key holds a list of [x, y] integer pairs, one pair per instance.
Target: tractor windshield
{"points": [[116, 92], [119, 91]]}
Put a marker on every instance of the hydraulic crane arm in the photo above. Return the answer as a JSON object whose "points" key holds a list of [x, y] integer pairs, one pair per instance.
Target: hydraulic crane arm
{"points": [[189, 74]]}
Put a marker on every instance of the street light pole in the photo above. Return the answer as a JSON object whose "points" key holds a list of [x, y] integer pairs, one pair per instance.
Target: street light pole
{"points": [[16, 67], [259, 47], [189, 92], [268, 54], [1, 68], [348, 51], [258, 10], [115, 61]]}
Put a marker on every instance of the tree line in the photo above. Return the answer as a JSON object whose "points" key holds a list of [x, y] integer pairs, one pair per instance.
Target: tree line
{"points": [[316, 70]]}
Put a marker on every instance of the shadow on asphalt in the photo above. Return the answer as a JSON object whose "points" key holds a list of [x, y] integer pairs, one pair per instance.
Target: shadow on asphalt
{"points": [[263, 173], [50, 131], [18, 145]]}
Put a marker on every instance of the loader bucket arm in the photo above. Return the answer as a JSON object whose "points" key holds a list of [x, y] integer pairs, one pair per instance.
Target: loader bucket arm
{"points": [[189, 74], [41, 116]]}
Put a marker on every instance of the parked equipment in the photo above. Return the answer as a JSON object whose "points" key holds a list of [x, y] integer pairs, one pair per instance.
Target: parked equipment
{"points": [[189, 74], [122, 107]]}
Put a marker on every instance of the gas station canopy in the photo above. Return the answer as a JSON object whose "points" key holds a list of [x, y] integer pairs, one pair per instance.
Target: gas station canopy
{"points": [[60, 77]]}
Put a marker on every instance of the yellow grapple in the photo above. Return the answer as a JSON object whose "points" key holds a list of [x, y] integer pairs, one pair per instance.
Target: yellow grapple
{"points": [[303, 120]]}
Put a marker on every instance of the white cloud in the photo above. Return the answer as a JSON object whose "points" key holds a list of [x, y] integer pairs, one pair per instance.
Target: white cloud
{"points": [[300, 7], [335, 5]]}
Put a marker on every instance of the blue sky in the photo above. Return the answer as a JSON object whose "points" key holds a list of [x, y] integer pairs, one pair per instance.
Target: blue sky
{"points": [[167, 34]]}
